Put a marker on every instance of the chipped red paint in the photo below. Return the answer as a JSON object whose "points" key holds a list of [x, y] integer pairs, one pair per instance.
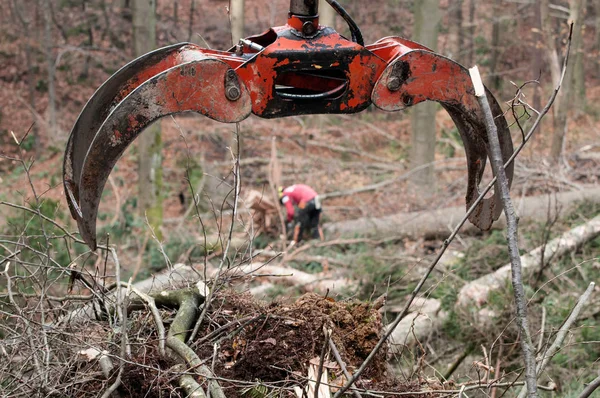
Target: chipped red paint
{"points": [[429, 77]]}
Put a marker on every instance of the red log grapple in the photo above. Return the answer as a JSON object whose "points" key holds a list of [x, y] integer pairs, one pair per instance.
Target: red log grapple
{"points": [[296, 69]]}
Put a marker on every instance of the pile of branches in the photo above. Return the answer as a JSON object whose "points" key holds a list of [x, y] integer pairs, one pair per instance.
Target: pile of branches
{"points": [[143, 344]]}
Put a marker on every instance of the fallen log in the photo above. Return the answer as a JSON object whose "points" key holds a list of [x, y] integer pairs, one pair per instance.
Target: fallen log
{"points": [[475, 293], [425, 317], [437, 223], [287, 276]]}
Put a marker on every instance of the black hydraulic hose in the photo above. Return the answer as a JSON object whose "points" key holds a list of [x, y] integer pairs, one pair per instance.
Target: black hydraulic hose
{"points": [[354, 29]]}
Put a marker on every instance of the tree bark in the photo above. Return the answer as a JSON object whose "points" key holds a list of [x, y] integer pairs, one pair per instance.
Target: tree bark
{"points": [[191, 21], [565, 98], [426, 27], [31, 80], [150, 184], [236, 15], [597, 43], [578, 92], [495, 44], [512, 230], [179, 274], [326, 14], [455, 30], [471, 36], [90, 33], [538, 57], [49, 44]]}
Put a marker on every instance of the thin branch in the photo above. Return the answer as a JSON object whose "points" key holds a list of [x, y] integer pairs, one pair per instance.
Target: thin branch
{"points": [[237, 183], [39, 214], [327, 333], [593, 386], [338, 358], [495, 155], [122, 302], [160, 327], [563, 331]]}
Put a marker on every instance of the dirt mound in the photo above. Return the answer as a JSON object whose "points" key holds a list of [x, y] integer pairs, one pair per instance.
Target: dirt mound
{"points": [[252, 347], [280, 340], [270, 343]]}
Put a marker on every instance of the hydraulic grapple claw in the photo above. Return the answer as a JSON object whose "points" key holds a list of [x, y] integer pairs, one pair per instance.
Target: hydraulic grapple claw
{"points": [[189, 86], [299, 68], [422, 75]]}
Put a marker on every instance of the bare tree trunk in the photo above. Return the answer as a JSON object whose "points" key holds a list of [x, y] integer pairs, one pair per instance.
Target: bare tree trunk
{"points": [[191, 24], [236, 16], [597, 43], [86, 65], [578, 68], [549, 43], [495, 79], [150, 142], [426, 26], [326, 14], [31, 80], [455, 30], [175, 12], [566, 96], [48, 44], [538, 56], [471, 36], [326, 18]]}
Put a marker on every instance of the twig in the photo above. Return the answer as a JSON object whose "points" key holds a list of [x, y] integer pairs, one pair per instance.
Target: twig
{"points": [[327, 333], [122, 302], [340, 362], [140, 257], [223, 328], [587, 392], [160, 327], [7, 258], [51, 221], [498, 361], [384, 183], [562, 332], [456, 363], [495, 155], [236, 175], [542, 327], [487, 364], [187, 354]]}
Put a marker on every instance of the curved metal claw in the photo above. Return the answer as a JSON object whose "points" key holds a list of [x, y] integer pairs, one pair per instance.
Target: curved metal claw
{"points": [[422, 75], [170, 80], [102, 102]]}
